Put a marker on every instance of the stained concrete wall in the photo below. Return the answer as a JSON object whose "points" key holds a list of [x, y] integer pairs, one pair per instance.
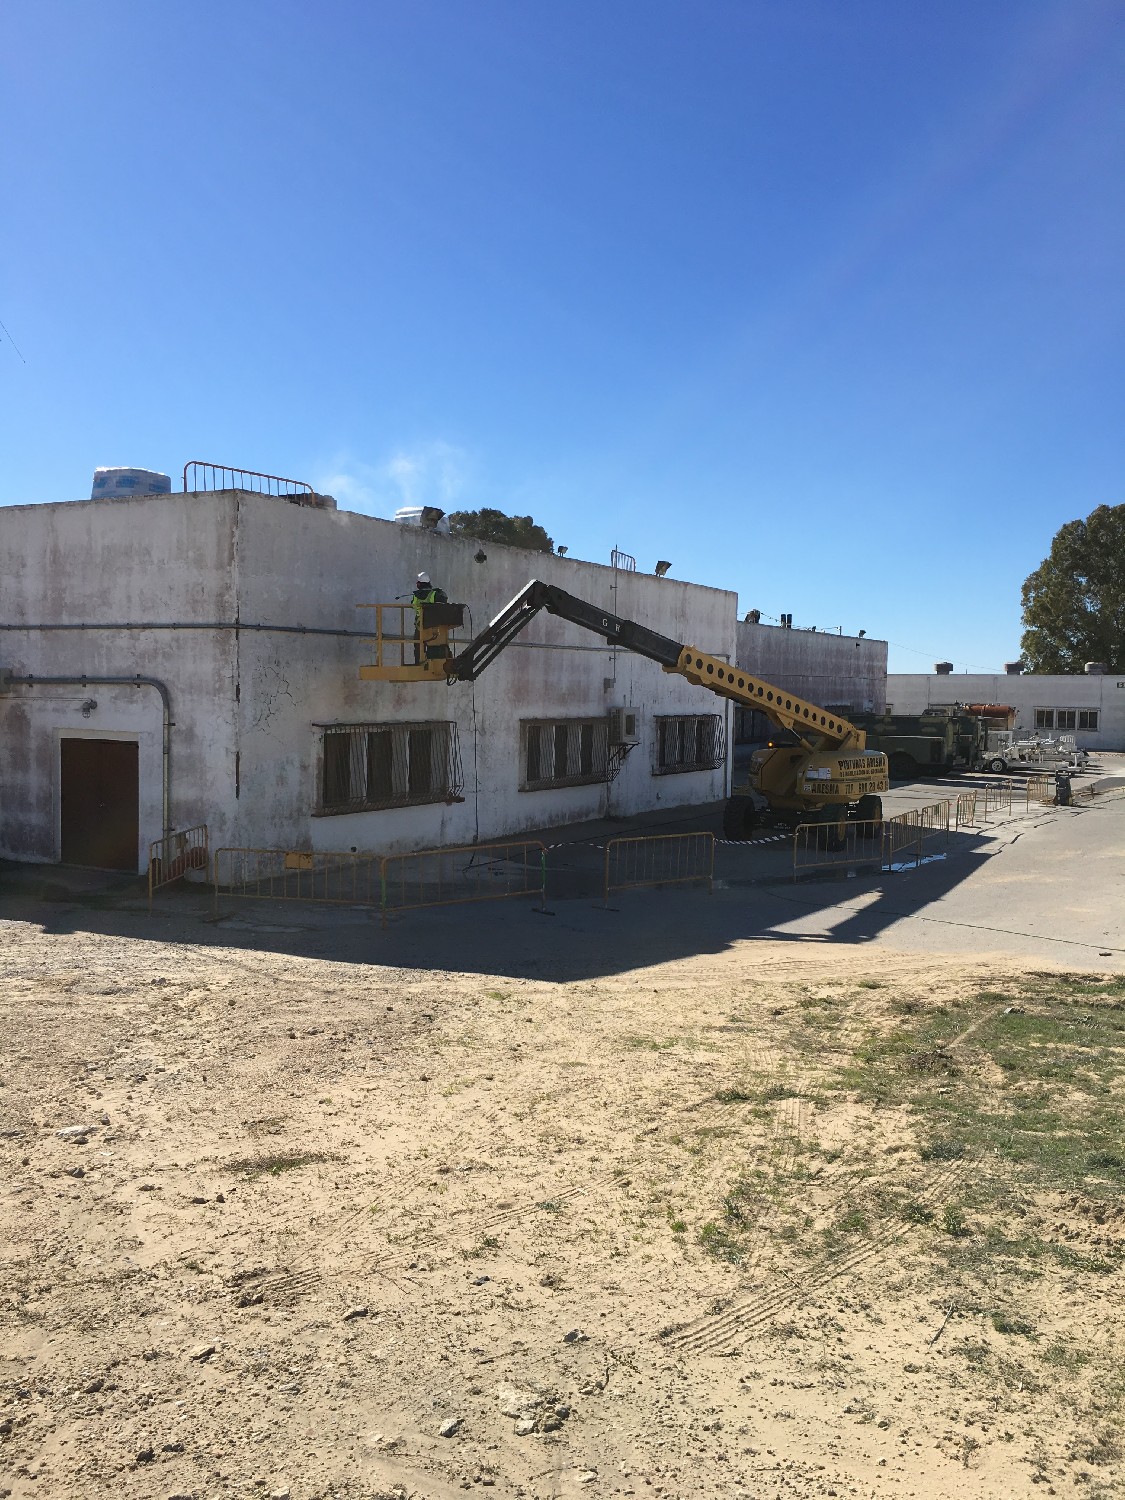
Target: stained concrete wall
{"points": [[911, 692], [825, 669], [247, 702], [86, 565]]}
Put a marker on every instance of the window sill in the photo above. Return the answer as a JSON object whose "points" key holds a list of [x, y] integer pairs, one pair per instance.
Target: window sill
{"points": [[561, 786], [369, 807], [715, 765]]}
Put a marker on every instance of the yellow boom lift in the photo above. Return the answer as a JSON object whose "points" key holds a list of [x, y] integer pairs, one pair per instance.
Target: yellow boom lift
{"points": [[828, 776]]}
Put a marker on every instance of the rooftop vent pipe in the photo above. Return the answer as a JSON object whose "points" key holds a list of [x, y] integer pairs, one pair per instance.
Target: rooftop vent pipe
{"points": [[943, 668]]}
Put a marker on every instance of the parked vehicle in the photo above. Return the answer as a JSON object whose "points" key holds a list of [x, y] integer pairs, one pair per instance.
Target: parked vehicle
{"points": [[938, 742]]}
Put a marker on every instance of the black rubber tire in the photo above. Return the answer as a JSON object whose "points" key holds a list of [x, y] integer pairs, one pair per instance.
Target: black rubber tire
{"points": [[835, 818], [997, 766], [903, 767], [869, 811], [740, 818]]}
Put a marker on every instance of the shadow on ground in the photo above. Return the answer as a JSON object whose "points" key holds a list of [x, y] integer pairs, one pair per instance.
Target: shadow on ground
{"points": [[576, 937]]}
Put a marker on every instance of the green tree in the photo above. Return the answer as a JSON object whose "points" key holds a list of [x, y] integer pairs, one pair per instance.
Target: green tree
{"points": [[1074, 602], [494, 526]]}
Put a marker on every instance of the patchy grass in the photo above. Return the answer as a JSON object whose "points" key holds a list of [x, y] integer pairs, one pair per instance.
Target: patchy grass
{"points": [[1029, 1079], [720, 1243], [273, 1163]]}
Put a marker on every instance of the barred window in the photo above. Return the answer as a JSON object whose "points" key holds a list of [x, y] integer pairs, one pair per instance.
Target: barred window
{"points": [[1065, 718], [562, 752], [370, 766], [689, 742], [1088, 718], [1044, 718]]}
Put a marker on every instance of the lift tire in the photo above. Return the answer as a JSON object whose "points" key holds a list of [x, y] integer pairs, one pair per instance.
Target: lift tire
{"points": [[740, 818], [835, 820], [869, 812]]}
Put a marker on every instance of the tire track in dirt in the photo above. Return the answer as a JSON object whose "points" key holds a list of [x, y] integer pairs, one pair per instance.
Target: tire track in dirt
{"points": [[713, 1334]]}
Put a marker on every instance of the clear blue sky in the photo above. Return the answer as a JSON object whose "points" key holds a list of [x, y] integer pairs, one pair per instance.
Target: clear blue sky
{"points": [[823, 300]]}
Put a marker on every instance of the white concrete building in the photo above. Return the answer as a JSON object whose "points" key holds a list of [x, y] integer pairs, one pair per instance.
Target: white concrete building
{"points": [[847, 673], [1092, 707], [238, 612]]}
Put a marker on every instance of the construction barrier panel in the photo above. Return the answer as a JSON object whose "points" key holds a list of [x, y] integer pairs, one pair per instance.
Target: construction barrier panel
{"points": [[889, 843], [662, 859], [472, 872], [966, 813], [992, 799], [820, 846], [170, 858], [298, 875], [1039, 789]]}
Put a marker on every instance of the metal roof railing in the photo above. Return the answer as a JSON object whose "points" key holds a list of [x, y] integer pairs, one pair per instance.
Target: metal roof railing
{"points": [[208, 476]]}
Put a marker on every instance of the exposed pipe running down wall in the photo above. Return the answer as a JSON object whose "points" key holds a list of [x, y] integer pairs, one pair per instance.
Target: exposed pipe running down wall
{"points": [[85, 680]]}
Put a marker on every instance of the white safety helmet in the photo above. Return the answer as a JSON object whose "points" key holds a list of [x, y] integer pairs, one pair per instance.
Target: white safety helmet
{"points": [[424, 578]]}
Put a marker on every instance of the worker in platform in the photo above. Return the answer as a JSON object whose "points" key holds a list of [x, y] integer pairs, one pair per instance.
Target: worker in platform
{"points": [[424, 593]]}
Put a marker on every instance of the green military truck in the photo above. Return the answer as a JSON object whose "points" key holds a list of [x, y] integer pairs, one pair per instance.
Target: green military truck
{"points": [[937, 742]]}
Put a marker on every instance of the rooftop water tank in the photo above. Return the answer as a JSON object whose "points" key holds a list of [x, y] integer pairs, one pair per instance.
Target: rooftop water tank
{"points": [[112, 483], [420, 515]]}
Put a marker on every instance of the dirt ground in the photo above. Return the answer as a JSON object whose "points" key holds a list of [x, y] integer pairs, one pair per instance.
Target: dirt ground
{"points": [[776, 1221]]}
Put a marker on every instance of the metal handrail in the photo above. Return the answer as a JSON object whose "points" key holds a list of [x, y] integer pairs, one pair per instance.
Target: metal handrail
{"points": [[210, 470]]}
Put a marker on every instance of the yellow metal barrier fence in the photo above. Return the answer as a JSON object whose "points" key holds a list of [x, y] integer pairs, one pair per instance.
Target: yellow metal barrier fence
{"points": [[298, 875], [889, 843], [994, 799], [966, 814], [1039, 789], [171, 857], [472, 872], [821, 846], [660, 859]]}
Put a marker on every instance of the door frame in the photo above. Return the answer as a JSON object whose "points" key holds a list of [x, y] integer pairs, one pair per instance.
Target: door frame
{"points": [[130, 736]]}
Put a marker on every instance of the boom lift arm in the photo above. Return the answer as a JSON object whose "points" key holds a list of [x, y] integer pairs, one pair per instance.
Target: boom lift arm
{"points": [[817, 730]]}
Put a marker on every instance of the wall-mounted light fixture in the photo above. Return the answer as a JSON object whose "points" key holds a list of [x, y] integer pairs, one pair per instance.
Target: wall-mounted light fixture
{"points": [[88, 707], [862, 633], [662, 568], [561, 551]]}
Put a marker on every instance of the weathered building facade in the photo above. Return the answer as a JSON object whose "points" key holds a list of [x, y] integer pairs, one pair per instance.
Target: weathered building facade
{"points": [[205, 650], [844, 672], [1090, 707]]}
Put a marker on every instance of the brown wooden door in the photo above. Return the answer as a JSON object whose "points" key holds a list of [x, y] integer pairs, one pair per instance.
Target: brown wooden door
{"points": [[100, 818]]}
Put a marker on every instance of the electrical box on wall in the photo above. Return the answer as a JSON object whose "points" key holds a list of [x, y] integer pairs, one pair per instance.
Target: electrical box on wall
{"points": [[624, 726]]}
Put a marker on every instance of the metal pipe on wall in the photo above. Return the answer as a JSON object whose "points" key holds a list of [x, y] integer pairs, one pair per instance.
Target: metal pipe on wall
{"points": [[86, 680]]}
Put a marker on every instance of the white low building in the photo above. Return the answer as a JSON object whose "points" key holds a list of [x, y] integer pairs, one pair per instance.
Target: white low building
{"points": [[195, 658], [1091, 707]]}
